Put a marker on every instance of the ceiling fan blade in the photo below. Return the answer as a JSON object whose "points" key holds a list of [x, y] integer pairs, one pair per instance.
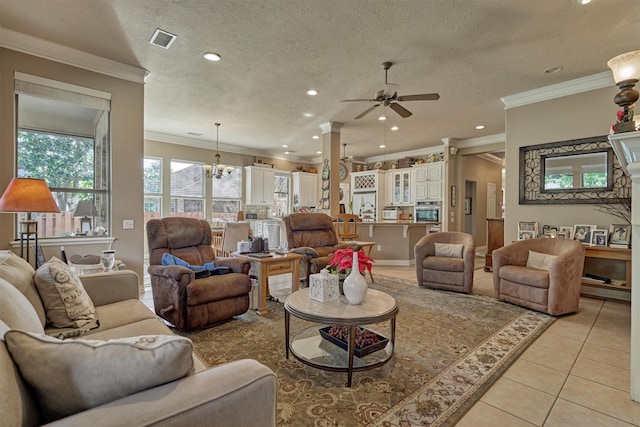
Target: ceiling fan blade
{"points": [[354, 100], [367, 111], [400, 110], [421, 97]]}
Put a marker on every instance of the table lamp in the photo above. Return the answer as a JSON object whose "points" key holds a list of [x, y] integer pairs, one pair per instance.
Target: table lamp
{"points": [[85, 209], [28, 195]]}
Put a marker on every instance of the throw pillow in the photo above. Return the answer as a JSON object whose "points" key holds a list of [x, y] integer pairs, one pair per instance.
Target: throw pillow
{"points": [[449, 250], [19, 273], [66, 302], [539, 260], [74, 375]]}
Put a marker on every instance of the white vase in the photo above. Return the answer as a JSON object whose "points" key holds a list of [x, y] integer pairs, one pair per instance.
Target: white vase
{"points": [[355, 285]]}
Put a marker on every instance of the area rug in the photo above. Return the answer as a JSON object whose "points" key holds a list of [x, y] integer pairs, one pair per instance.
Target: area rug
{"points": [[450, 348]]}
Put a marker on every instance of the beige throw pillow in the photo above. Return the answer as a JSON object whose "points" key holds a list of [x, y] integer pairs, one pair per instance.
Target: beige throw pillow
{"points": [[73, 375], [539, 260], [449, 250], [65, 300]]}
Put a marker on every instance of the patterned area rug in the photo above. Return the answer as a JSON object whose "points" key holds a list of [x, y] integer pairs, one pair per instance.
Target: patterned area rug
{"points": [[449, 349]]}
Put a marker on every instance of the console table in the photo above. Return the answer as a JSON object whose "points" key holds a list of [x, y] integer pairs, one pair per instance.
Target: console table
{"points": [[608, 262]]}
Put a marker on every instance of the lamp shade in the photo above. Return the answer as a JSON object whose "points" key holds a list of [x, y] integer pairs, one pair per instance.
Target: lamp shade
{"points": [[28, 195], [625, 66], [85, 208]]}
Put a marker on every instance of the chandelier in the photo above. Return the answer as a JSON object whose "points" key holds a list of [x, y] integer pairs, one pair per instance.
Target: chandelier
{"points": [[218, 170]]}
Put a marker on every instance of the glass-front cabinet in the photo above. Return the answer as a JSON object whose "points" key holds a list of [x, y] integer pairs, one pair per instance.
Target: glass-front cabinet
{"points": [[399, 188]]}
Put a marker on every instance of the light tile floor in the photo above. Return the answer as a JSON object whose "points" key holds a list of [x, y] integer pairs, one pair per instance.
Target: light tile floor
{"points": [[575, 374]]}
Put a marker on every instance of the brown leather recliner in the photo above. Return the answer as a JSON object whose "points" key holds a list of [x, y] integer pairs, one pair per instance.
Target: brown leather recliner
{"points": [[178, 297], [312, 235], [437, 269], [552, 287]]}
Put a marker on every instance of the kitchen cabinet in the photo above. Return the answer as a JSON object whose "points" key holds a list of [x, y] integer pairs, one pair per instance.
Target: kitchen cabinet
{"points": [[428, 183], [259, 186], [305, 189], [368, 194], [398, 188]]}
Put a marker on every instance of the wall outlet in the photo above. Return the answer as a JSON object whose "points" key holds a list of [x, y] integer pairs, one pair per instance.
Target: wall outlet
{"points": [[379, 247], [127, 224]]}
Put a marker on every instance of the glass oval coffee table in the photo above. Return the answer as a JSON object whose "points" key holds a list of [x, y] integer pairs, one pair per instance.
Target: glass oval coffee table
{"points": [[308, 345]]}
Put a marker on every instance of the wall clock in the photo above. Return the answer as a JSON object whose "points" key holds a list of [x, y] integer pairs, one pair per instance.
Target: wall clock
{"points": [[343, 171]]}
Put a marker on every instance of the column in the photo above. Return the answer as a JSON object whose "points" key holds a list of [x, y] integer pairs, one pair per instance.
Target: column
{"points": [[331, 152]]}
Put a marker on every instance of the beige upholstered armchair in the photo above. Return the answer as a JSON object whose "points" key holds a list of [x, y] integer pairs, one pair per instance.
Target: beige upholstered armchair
{"points": [[312, 235], [446, 260], [178, 297], [541, 274]]}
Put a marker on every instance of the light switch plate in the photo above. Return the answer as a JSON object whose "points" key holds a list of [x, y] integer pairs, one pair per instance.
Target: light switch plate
{"points": [[127, 224]]}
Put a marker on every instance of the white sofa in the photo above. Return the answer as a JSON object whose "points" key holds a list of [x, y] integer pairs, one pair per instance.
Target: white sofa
{"points": [[241, 393]]}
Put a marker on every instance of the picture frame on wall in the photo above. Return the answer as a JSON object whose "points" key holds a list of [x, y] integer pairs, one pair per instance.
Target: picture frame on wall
{"points": [[582, 233], [467, 205], [619, 235], [599, 238]]}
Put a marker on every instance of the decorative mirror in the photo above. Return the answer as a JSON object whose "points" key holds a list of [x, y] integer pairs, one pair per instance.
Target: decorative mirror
{"points": [[577, 171]]}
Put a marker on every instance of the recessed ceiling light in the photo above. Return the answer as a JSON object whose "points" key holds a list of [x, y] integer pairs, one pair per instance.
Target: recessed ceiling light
{"points": [[382, 118], [286, 152], [480, 127], [394, 128], [308, 114], [312, 92], [211, 56], [318, 152], [381, 146], [583, 2], [285, 146], [315, 137], [552, 70]]}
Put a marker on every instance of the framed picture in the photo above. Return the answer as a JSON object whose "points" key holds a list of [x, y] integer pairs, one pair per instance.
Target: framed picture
{"points": [[620, 234], [567, 231], [467, 205], [599, 238], [525, 235], [453, 196], [582, 233], [528, 226]]}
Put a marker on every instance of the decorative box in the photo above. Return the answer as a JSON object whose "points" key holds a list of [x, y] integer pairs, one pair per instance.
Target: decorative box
{"points": [[323, 286]]}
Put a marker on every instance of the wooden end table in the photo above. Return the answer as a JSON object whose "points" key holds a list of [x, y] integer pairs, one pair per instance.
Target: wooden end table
{"points": [[309, 347], [276, 264]]}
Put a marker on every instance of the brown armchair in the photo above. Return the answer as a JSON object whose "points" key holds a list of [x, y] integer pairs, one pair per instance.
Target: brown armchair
{"points": [[548, 284], [446, 260], [312, 235], [178, 297]]}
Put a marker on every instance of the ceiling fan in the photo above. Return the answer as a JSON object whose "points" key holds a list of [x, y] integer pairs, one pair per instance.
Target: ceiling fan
{"points": [[389, 97], [348, 159]]}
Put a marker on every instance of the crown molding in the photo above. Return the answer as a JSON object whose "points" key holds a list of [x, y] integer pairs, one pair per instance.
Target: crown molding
{"points": [[482, 140], [571, 87], [54, 52], [225, 148]]}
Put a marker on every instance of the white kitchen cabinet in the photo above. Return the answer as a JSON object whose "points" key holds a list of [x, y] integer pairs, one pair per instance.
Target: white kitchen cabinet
{"points": [[368, 194], [259, 186], [388, 188], [398, 188], [428, 190], [429, 171], [305, 189], [428, 182]]}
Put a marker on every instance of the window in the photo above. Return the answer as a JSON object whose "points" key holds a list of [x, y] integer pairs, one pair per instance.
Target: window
{"points": [[187, 189], [64, 138], [152, 173], [280, 195], [226, 199]]}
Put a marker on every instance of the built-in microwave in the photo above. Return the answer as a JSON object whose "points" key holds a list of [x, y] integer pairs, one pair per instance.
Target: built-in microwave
{"points": [[427, 212]]}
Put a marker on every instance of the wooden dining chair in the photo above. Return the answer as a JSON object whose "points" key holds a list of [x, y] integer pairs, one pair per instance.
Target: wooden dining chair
{"points": [[233, 233], [346, 226]]}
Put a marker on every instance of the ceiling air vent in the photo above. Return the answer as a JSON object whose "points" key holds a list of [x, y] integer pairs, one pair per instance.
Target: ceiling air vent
{"points": [[162, 38]]}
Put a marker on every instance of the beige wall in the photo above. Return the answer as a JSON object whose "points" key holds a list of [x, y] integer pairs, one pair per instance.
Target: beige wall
{"points": [[127, 119], [482, 172], [577, 116]]}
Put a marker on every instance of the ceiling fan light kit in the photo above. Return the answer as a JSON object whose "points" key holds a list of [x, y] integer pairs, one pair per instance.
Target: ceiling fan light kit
{"points": [[389, 97]]}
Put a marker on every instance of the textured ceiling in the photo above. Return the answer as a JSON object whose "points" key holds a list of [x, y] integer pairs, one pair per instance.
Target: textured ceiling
{"points": [[472, 52]]}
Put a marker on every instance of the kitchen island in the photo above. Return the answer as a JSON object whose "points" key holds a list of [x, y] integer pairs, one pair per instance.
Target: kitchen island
{"points": [[394, 240]]}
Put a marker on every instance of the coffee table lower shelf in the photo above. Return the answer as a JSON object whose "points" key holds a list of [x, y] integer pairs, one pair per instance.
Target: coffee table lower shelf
{"points": [[310, 348]]}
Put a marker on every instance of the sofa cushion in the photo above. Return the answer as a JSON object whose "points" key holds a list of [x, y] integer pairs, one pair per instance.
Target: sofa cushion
{"points": [[19, 273], [440, 263], [16, 310], [73, 375], [526, 276], [450, 250], [65, 300], [539, 260]]}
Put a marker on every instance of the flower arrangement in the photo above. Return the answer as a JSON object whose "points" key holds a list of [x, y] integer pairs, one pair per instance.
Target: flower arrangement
{"points": [[624, 120], [342, 260]]}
